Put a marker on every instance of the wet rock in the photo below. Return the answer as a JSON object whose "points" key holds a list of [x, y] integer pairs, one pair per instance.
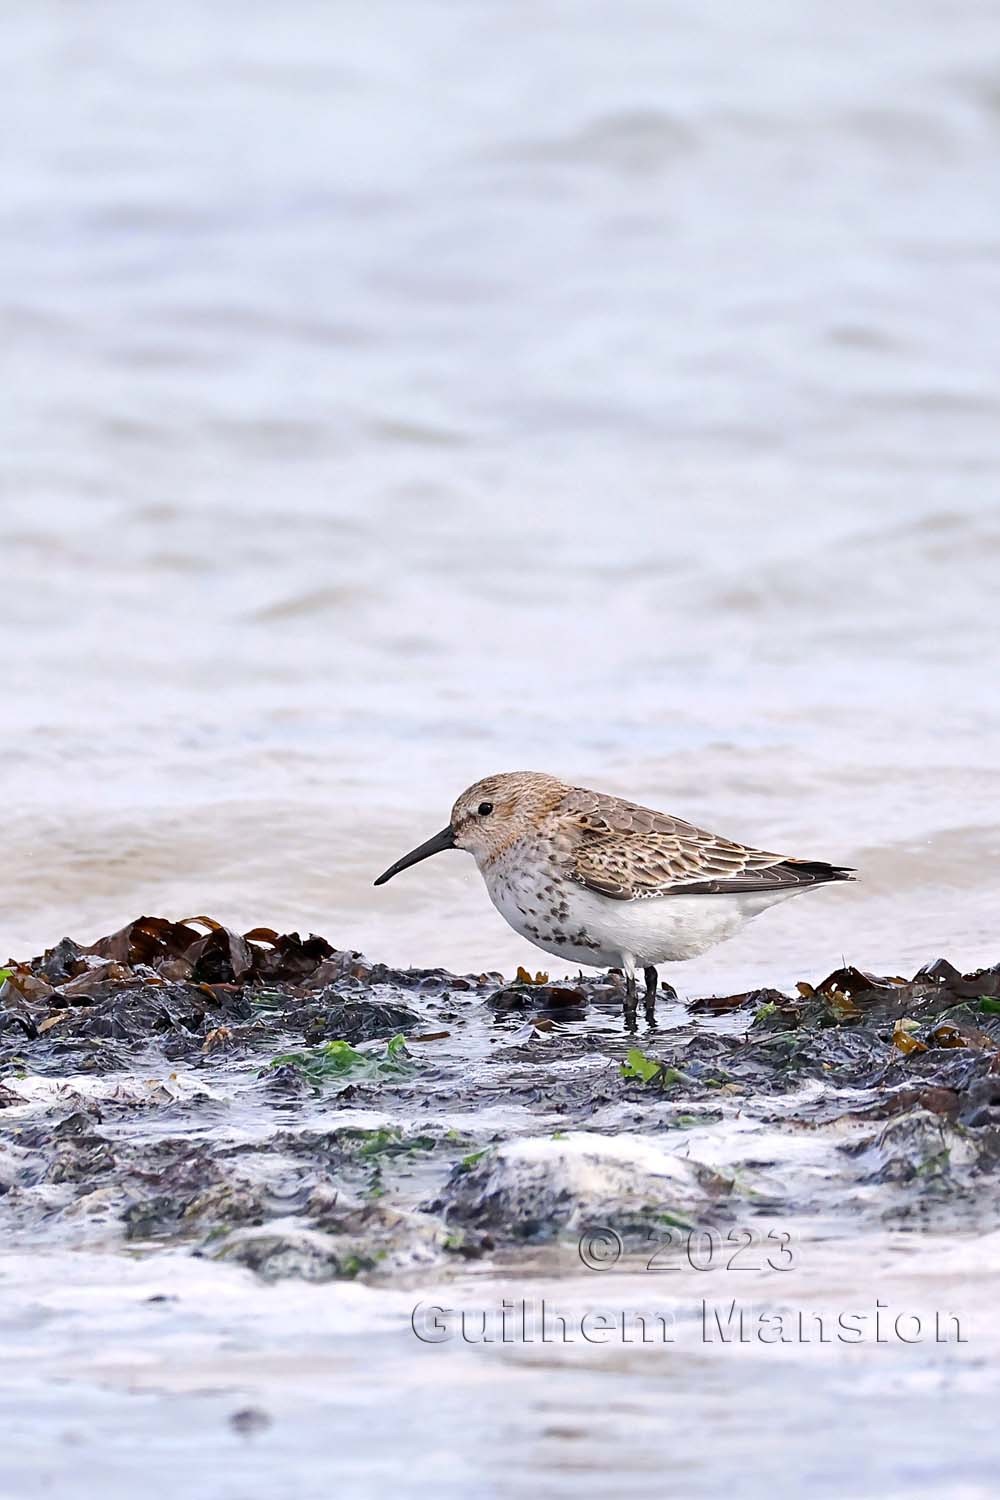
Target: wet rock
{"points": [[250, 1420], [980, 1103], [307, 1254], [17, 1166], [81, 1159], [225, 1203], [348, 1244], [543, 1186], [917, 1145], [102, 1203]]}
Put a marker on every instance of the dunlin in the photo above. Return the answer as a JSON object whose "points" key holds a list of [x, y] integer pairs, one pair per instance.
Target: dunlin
{"points": [[598, 880]]}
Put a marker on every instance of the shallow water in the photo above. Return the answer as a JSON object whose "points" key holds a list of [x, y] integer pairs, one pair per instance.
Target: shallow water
{"points": [[473, 1418], [430, 392], [159, 1360]]}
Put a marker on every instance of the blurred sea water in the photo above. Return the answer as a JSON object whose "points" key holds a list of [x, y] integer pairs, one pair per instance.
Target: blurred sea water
{"points": [[396, 394]]}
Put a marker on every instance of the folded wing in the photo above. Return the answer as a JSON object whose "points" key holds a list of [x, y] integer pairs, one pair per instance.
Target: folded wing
{"points": [[629, 853]]}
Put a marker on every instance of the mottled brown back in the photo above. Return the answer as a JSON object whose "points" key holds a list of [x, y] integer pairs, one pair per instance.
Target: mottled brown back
{"points": [[629, 853]]}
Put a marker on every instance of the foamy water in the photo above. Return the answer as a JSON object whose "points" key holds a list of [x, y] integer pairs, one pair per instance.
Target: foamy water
{"points": [[419, 391]]}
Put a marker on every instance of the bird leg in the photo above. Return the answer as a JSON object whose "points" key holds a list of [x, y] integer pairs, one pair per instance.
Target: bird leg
{"points": [[631, 992], [652, 978]]}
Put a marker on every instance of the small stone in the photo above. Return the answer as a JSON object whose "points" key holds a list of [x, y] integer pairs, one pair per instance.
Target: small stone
{"points": [[249, 1420]]}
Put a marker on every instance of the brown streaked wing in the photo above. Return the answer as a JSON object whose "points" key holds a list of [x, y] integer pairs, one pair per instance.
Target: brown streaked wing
{"points": [[627, 852]]}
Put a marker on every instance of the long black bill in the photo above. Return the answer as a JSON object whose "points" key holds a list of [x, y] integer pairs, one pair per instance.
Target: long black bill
{"points": [[443, 840]]}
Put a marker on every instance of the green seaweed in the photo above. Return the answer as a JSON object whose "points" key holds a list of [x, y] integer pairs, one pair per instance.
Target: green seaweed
{"points": [[468, 1162], [386, 1140], [339, 1062], [638, 1068]]}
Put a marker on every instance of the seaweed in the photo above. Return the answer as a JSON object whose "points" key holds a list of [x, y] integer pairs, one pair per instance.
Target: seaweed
{"points": [[167, 1018], [339, 1062]]}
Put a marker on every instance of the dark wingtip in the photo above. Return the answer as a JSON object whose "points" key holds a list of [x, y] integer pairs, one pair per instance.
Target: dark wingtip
{"points": [[817, 872]]}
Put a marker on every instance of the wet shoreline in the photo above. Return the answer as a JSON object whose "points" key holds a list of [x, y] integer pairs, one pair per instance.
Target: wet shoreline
{"points": [[306, 1112], [259, 1196]]}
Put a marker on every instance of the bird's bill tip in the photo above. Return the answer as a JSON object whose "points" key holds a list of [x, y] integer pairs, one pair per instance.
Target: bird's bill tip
{"points": [[443, 840]]}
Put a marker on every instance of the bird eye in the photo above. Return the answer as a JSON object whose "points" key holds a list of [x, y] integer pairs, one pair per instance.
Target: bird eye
{"points": [[484, 809]]}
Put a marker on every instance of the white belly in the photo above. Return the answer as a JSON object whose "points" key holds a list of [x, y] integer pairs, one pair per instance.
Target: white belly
{"points": [[583, 927]]}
